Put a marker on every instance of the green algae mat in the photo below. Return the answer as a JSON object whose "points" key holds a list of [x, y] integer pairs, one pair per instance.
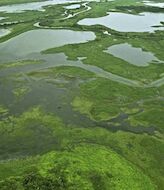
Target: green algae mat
{"points": [[81, 95]]}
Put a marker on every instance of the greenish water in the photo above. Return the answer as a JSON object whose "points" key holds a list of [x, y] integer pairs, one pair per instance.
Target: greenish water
{"points": [[124, 22], [132, 55]]}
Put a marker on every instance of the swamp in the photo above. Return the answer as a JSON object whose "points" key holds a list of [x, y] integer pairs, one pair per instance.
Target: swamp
{"points": [[81, 95]]}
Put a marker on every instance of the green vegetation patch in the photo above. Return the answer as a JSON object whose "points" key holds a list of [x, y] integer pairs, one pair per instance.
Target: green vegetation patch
{"points": [[29, 134], [85, 167], [3, 110], [21, 92], [79, 154], [67, 72], [18, 64], [102, 99]]}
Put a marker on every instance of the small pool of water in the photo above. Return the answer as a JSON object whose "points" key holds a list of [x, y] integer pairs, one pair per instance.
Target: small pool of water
{"points": [[132, 55], [1, 18], [153, 4], [34, 6], [124, 22], [74, 6], [41, 39], [4, 32]]}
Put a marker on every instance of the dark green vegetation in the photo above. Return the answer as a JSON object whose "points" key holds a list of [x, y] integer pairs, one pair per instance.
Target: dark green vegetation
{"points": [[65, 127]]}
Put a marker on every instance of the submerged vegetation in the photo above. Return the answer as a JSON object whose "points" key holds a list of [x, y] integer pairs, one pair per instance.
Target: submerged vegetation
{"points": [[75, 116]]}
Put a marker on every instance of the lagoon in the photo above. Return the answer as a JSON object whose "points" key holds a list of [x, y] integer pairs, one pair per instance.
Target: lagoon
{"points": [[124, 22], [133, 55], [35, 41]]}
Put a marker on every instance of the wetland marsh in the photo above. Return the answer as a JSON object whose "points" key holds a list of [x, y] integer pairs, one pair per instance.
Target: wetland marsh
{"points": [[81, 95]]}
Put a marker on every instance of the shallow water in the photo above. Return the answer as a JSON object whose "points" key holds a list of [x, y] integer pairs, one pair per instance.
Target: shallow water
{"points": [[58, 60], [41, 39], [74, 6], [34, 6], [1, 18], [28, 46], [132, 55], [127, 22], [4, 32], [153, 4]]}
